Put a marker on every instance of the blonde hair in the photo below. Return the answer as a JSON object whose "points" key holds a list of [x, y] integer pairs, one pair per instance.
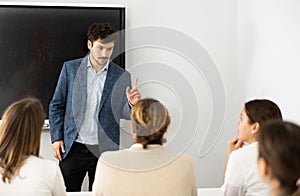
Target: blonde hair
{"points": [[20, 133], [150, 119]]}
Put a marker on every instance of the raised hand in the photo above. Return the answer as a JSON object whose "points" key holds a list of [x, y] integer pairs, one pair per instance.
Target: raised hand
{"points": [[133, 95], [234, 144]]}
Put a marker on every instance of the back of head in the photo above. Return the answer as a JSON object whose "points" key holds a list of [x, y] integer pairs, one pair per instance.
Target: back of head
{"points": [[262, 110], [150, 120], [20, 133], [102, 31], [279, 147]]}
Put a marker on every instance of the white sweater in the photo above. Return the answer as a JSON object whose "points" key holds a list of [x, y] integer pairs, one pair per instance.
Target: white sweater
{"points": [[149, 172], [37, 177]]}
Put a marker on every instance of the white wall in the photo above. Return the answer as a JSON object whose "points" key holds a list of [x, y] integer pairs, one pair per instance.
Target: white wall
{"points": [[263, 36], [269, 45], [186, 86]]}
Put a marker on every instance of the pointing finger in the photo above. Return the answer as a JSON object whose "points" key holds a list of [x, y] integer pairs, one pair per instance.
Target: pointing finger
{"points": [[135, 83]]}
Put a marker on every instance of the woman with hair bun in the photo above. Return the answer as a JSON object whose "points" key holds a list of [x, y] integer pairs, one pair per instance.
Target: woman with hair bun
{"points": [[146, 168]]}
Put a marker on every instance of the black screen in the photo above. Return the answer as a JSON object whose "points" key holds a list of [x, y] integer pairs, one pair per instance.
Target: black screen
{"points": [[36, 40]]}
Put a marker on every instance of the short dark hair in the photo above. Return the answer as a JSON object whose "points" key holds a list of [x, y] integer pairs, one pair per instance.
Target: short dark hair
{"points": [[103, 31]]}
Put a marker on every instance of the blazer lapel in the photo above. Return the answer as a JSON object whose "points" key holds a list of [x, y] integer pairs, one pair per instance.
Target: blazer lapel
{"points": [[80, 91], [111, 77]]}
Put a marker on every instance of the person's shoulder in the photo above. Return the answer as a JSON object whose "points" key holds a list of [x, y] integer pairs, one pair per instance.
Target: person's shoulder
{"points": [[41, 160], [41, 163], [108, 155], [245, 153], [115, 158], [185, 158], [176, 158], [40, 166], [246, 149], [181, 160], [117, 68], [73, 62]]}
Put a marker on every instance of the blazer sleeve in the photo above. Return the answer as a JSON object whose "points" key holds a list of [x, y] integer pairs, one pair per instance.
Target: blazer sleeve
{"points": [[57, 106], [126, 107]]}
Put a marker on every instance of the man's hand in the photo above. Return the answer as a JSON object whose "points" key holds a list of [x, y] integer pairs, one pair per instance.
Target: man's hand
{"points": [[133, 95], [57, 147]]}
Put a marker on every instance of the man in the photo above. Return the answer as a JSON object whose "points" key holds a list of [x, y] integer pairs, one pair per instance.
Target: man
{"points": [[91, 96]]}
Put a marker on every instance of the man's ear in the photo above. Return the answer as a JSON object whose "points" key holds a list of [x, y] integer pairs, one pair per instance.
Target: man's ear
{"points": [[255, 128], [89, 44]]}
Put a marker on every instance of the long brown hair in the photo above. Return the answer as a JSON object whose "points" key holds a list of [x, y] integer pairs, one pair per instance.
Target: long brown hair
{"points": [[279, 147], [20, 133], [150, 119]]}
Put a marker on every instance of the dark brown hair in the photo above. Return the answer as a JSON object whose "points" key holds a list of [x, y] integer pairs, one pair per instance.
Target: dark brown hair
{"points": [[262, 110], [102, 31], [150, 119], [279, 147], [20, 133]]}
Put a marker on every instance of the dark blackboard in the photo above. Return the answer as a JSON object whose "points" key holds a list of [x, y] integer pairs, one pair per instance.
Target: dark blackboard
{"points": [[36, 40]]}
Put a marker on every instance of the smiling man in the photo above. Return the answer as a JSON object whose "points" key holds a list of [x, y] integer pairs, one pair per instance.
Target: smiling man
{"points": [[91, 96]]}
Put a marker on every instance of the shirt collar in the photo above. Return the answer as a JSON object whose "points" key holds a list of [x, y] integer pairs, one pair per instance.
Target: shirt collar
{"points": [[139, 147]]}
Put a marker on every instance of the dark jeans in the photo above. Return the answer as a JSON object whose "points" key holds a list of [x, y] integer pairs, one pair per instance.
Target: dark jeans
{"points": [[80, 160]]}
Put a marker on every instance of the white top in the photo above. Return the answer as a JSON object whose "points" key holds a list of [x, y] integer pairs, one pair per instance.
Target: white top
{"points": [[37, 177], [241, 177], [147, 172]]}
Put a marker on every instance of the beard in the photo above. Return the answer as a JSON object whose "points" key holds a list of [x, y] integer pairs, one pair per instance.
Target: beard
{"points": [[101, 61]]}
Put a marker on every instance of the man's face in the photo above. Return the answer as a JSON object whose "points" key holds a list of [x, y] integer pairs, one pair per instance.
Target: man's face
{"points": [[100, 52]]}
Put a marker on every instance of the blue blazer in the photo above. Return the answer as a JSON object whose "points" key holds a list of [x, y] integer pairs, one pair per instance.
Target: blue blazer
{"points": [[66, 109]]}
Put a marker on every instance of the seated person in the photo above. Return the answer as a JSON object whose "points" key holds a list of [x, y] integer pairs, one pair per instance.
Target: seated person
{"points": [[146, 168], [23, 172], [241, 176], [279, 157]]}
